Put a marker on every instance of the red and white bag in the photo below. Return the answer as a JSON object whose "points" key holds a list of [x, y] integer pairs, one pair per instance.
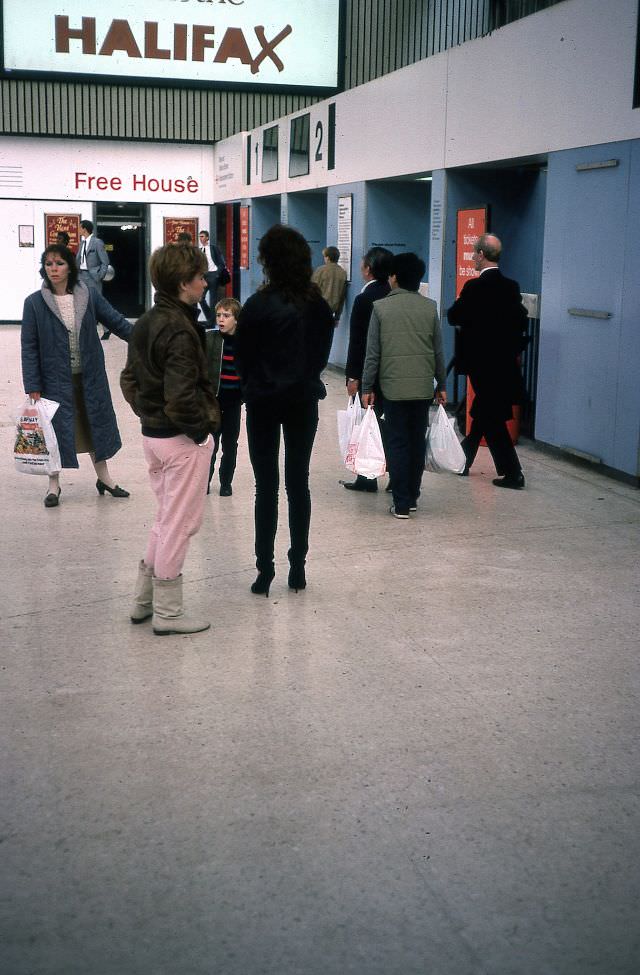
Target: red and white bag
{"points": [[36, 447], [365, 454]]}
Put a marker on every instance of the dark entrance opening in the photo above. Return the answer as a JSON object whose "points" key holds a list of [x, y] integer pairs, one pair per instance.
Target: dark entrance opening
{"points": [[123, 228]]}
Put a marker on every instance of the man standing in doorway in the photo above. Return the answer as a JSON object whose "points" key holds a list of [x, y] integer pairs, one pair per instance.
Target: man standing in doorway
{"points": [[93, 262], [216, 275], [332, 281], [492, 323], [374, 268], [404, 357]]}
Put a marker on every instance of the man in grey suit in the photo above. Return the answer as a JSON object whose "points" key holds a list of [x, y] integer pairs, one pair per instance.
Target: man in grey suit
{"points": [[92, 260]]}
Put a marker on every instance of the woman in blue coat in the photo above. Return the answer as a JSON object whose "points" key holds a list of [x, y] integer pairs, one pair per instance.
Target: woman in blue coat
{"points": [[62, 360]]}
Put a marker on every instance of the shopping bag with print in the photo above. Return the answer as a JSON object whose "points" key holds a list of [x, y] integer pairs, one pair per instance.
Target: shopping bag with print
{"points": [[347, 419], [444, 451], [36, 446], [369, 458]]}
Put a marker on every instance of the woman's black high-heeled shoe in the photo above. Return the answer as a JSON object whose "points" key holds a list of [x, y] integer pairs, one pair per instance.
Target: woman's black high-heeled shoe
{"points": [[297, 578], [115, 492], [261, 586]]}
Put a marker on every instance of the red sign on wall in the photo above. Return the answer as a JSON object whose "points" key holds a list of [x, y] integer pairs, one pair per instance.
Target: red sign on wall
{"points": [[471, 225], [174, 226], [68, 223], [244, 238]]}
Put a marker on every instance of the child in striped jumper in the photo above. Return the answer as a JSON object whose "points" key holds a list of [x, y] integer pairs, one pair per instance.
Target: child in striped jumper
{"points": [[221, 349]]}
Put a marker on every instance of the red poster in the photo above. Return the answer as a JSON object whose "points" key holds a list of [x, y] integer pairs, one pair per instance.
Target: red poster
{"points": [[471, 225], [69, 223], [244, 238], [174, 226]]}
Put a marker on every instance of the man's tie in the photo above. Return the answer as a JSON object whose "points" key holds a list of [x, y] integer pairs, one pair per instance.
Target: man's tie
{"points": [[83, 251]]}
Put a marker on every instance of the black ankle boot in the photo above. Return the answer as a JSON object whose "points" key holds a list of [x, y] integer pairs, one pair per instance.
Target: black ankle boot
{"points": [[263, 581], [297, 578]]}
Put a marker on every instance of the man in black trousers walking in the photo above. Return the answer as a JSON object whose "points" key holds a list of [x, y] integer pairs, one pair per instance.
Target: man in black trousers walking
{"points": [[492, 324]]}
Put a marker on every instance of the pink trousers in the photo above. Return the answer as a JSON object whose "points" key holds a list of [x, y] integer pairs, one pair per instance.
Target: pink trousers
{"points": [[178, 471]]}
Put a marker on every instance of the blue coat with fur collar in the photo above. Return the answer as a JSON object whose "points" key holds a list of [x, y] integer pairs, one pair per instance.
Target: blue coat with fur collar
{"points": [[46, 366]]}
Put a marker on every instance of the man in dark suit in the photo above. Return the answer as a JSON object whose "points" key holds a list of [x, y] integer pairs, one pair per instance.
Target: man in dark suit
{"points": [[374, 268], [93, 262], [492, 323], [216, 275]]}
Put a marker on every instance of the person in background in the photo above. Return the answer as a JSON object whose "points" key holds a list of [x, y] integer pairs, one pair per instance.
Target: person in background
{"points": [[283, 342], [62, 237], [93, 262], [226, 382], [166, 383], [374, 268], [332, 281], [492, 323], [184, 238], [62, 360], [216, 275], [404, 357]]}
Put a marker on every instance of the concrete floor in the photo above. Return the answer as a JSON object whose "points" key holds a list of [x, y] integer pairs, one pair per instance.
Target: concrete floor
{"points": [[426, 763]]}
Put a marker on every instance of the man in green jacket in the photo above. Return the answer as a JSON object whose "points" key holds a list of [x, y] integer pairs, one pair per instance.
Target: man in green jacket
{"points": [[405, 357]]}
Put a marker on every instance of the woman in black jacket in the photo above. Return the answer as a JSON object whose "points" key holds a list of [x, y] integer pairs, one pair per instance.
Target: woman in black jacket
{"points": [[283, 341]]}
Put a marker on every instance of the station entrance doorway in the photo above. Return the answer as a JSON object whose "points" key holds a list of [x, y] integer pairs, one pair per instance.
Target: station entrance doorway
{"points": [[123, 228]]}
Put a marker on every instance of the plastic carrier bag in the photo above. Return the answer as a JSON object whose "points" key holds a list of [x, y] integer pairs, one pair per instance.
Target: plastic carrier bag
{"points": [[444, 450], [36, 447], [347, 419], [365, 455]]}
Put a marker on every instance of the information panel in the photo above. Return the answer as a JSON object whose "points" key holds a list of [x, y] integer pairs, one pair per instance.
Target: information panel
{"points": [[277, 43], [472, 223], [345, 213]]}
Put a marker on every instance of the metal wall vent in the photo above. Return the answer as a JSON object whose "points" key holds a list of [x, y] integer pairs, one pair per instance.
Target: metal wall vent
{"points": [[10, 176]]}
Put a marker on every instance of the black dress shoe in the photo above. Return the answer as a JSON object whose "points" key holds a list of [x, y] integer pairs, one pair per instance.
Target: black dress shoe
{"points": [[52, 500], [516, 483], [361, 484]]}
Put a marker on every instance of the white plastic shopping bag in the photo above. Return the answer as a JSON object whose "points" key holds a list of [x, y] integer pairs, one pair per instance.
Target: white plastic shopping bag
{"points": [[36, 447], [369, 460], [347, 419], [444, 451]]}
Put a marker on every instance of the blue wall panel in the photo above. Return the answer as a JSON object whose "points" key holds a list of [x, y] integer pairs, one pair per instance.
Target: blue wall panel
{"points": [[358, 247], [399, 216], [588, 391], [263, 213], [307, 212]]}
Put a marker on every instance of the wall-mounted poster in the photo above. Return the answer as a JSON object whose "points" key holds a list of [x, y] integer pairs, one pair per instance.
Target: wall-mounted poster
{"points": [[471, 224], [67, 223], [345, 208], [25, 235], [244, 238], [174, 226]]}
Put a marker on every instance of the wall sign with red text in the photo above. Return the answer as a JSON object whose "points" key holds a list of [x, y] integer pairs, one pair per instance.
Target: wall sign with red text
{"points": [[244, 238], [68, 223], [471, 224], [174, 226]]}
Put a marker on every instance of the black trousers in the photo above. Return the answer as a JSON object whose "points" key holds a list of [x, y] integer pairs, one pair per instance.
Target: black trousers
{"points": [[492, 426], [298, 423], [211, 277], [406, 430], [230, 409]]}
